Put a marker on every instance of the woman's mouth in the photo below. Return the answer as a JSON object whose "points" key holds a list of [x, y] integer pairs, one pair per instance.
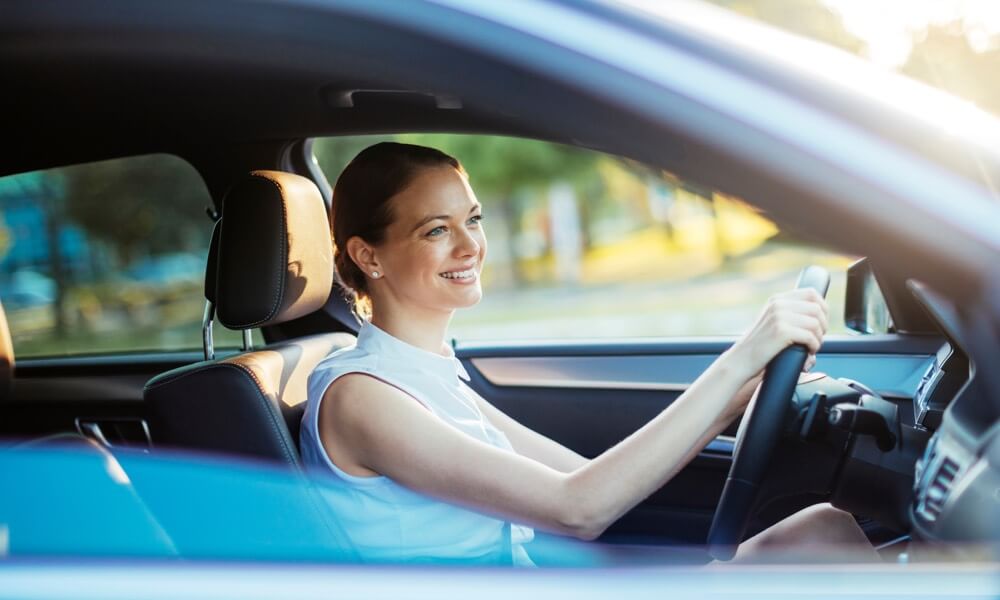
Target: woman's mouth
{"points": [[460, 276]]}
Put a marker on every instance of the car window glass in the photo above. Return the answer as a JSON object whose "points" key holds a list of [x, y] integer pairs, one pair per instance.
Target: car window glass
{"points": [[105, 257], [587, 245]]}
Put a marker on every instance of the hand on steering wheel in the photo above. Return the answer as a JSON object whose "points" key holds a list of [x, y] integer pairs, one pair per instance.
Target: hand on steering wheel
{"points": [[761, 426]]}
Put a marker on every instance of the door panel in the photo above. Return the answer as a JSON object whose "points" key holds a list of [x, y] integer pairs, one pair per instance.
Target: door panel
{"points": [[590, 396], [50, 395]]}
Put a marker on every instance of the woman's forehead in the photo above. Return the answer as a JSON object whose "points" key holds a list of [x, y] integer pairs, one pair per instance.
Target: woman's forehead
{"points": [[438, 190]]}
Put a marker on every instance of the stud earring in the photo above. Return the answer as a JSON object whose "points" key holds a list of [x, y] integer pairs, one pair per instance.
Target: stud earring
{"points": [[375, 274]]}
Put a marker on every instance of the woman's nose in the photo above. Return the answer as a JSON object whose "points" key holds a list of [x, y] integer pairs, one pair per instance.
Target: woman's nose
{"points": [[468, 245]]}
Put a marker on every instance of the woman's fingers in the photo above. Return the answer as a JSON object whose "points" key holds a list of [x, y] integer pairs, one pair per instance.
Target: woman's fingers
{"points": [[807, 294], [802, 329], [813, 324], [803, 307], [793, 317], [814, 310], [785, 327]]}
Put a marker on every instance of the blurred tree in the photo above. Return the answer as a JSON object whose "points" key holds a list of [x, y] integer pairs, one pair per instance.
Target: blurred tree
{"points": [[52, 203], [945, 59], [159, 204], [808, 18], [5, 238], [41, 223], [333, 153], [941, 55]]}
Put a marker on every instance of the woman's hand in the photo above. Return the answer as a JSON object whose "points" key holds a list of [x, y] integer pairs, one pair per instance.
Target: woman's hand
{"points": [[793, 317]]}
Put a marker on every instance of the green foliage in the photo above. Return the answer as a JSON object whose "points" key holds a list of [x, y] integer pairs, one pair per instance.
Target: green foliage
{"points": [[137, 206], [333, 153], [498, 166]]}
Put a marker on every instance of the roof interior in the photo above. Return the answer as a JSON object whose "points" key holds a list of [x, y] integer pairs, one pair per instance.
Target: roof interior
{"points": [[90, 108]]}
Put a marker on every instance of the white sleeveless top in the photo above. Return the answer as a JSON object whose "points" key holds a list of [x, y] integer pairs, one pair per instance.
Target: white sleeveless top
{"points": [[386, 521]]}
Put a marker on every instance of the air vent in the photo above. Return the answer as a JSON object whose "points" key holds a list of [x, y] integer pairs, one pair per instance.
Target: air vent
{"points": [[934, 496]]}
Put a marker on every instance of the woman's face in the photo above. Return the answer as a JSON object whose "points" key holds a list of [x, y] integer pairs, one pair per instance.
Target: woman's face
{"points": [[433, 251]]}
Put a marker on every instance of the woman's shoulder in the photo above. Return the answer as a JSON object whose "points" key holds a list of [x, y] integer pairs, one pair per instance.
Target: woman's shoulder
{"points": [[337, 364], [350, 357], [356, 369], [361, 384]]}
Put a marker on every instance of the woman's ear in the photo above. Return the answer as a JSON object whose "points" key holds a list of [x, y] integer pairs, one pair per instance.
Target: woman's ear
{"points": [[363, 255]]}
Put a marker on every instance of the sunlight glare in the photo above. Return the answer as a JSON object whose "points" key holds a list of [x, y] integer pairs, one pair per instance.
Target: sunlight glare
{"points": [[890, 27]]}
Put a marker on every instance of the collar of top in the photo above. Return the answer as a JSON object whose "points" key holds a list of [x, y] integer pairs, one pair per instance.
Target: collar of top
{"points": [[383, 344]]}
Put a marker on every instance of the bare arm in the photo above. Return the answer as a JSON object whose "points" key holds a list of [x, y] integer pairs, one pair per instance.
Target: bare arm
{"points": [[380, 429], [532, 444]]}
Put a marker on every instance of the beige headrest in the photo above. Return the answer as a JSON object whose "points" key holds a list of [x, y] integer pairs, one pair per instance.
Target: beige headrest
{"points": [[275, 253]]}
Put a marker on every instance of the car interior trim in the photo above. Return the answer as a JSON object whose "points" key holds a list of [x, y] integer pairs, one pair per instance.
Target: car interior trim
{"points": [[895, 375]]}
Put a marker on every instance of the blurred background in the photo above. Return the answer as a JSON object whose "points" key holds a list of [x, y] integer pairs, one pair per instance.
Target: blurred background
{"points": [[581, 244]]}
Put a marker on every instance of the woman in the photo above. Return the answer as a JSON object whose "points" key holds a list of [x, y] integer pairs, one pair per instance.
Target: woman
{"points": [[424, 468]]}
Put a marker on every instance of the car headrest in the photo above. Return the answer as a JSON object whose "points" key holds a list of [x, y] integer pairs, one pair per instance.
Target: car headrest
{"points": [[6, 357], [275, 251]]}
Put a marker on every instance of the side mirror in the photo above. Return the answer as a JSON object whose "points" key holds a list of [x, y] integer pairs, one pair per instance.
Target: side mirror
{"points": [[865, 310]]}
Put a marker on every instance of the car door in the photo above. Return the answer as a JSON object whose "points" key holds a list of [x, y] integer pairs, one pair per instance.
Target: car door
{"points": [[590, 395]]}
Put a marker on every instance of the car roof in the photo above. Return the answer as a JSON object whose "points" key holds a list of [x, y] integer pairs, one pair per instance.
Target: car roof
{"points": [[695, 90], [111, 77]]}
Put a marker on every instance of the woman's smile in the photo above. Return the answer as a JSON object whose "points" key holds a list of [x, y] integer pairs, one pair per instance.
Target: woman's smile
{"points": [[463, 276]]}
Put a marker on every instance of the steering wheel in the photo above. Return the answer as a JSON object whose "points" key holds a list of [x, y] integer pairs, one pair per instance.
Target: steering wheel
{"points": [[758, 435]]}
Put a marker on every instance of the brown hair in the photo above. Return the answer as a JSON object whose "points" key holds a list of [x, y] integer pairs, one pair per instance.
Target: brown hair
{"points": [[362, 207]]}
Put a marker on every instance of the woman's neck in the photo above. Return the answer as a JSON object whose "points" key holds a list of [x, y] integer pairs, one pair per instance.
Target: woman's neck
{"points": [[423, 331]]}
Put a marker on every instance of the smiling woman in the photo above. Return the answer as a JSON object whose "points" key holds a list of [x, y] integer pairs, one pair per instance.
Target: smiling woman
{"points": [[363, 218], [388, 415]]}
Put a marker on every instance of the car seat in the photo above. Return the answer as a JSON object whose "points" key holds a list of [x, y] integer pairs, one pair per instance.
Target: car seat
{"points": [[271, 262]]}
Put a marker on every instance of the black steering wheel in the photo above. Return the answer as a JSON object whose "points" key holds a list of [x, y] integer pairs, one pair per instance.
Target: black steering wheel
{"points": [[758, 435]]}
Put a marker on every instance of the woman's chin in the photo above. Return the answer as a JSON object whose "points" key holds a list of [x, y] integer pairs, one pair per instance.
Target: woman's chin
{"points": [[469, 297]]}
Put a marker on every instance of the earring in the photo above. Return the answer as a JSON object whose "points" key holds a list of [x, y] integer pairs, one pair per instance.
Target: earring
{"points": [[375, 274]]}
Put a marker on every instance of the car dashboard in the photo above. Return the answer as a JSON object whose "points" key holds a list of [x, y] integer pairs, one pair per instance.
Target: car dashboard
{"points": [[957, 480]]}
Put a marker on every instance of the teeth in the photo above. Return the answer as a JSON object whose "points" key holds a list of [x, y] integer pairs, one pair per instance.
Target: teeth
{"points": [[459, 274]]}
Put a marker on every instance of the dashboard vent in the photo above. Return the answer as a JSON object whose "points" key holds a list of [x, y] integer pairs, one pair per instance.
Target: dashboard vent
{"points": [[936, 492]]}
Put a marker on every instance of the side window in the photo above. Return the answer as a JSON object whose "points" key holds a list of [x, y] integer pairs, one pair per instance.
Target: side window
{"points": [[105, 257], [587, 245]]}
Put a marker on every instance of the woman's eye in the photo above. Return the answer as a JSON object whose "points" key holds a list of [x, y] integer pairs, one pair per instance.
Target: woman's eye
{"points": [[476, 219], [436, 231]]}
